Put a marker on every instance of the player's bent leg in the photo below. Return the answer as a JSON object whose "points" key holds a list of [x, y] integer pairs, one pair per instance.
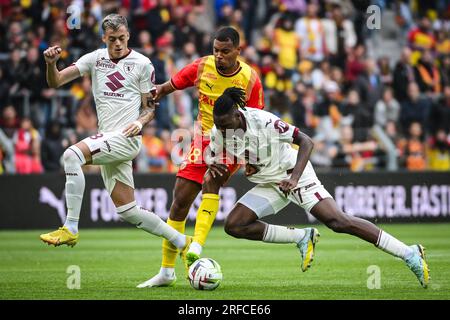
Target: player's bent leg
{"points": [[264, 200], [74, 158], [206, 214], [123, 198], [328, 212], [243, 222], [184, 194]]}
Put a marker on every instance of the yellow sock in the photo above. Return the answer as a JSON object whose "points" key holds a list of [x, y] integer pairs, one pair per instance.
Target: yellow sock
{"points": [[169, 251], [206, 215]]}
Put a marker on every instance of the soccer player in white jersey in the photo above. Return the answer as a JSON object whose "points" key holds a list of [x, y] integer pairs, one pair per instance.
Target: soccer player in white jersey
{"points": [[122, 81], [283, 175]]}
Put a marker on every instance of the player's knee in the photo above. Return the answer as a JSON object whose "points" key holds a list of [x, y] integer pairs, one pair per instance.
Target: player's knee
{"points": [[179, 209], [71, 156], [234, 229], [212, 185], [340, 224]]}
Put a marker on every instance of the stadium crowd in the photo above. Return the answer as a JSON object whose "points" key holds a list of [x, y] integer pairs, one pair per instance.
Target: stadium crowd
{"points": [[319, 67]]}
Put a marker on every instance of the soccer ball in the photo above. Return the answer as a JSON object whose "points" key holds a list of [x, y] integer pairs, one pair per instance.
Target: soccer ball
{"points": [[205, 274]]}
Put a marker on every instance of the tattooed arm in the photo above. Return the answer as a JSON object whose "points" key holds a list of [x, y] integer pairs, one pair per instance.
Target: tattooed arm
{"points": [[147, 114]]}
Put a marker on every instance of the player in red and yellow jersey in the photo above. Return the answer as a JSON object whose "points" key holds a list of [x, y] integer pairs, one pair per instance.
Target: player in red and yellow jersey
{"points": [[211, 75]]}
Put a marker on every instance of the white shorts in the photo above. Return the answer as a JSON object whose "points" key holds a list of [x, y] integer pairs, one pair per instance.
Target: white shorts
{"points": [[267, 199], [114, 152]]}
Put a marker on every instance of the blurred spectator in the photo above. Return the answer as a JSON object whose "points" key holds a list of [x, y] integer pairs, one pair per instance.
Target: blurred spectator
{"points": [[355, 65], [145, 43], [27, 148], [393, 133], [439, 151], [85, 116], [403, 75], [403, 17], [286, 45], [169, 148], [445, 69], [356, 156], [369, 84], [7, 161], [53, 147], [9, 121], [386, 76], [415, 108], [413, 148], [4, 88], [340, 36], [421, 38], [440, 112], [154, 150], [224, 9], [355, 113], [331, 104], [302, 109], [387, 109], [443, 42], [183, 29], [277, 79], [33, 81], [13, 75], [86, 38], [311, 31], [428, 76]]}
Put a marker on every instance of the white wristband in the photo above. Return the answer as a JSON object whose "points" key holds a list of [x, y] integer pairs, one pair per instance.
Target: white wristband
{"points": [[139, 124]]}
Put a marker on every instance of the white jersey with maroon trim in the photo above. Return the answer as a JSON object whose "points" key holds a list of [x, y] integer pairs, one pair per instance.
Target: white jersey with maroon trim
{"points": [[117, 85], [266, 144]]}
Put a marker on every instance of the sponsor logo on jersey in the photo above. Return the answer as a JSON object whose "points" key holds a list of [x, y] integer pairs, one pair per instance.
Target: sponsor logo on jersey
{"points": [[206, 100], [104, 64], [210, 75], [115, 79], [238, 83], [113, 94]]}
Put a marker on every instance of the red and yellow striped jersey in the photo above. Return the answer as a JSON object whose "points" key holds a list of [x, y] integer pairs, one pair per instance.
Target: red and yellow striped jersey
{"points": [[203, 74]]}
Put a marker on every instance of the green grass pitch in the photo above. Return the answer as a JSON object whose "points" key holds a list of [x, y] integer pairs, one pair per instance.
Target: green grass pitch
{"points": [[113, 261]]}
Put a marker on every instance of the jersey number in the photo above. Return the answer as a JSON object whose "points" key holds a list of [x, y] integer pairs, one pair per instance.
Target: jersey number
{"points": [[98, 135]]}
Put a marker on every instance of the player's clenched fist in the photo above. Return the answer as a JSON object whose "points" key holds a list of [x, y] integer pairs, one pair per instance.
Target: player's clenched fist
{"points": [[52, 54]]}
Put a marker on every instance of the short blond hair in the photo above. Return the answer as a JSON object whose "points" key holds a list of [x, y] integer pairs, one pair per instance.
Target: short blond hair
{"points": [[114, 21]]}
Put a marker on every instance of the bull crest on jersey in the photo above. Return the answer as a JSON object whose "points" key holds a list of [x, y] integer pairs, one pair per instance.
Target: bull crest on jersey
{"points": [[115, 83], [128, 67]]}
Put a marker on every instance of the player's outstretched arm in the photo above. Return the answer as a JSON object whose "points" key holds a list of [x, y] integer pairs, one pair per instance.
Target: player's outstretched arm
{"points": [[306, 146], [163, 90], [57, 78]]}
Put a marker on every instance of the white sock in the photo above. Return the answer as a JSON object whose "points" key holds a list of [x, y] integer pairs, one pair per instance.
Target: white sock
{"points": [[168, 273], [281, 234], [150, 222], [73, 160], [391, 245], [196, 248], [72, 225]]}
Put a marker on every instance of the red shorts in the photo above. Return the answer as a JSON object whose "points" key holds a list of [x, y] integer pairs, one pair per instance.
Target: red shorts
{"points": [[194, 167]]}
